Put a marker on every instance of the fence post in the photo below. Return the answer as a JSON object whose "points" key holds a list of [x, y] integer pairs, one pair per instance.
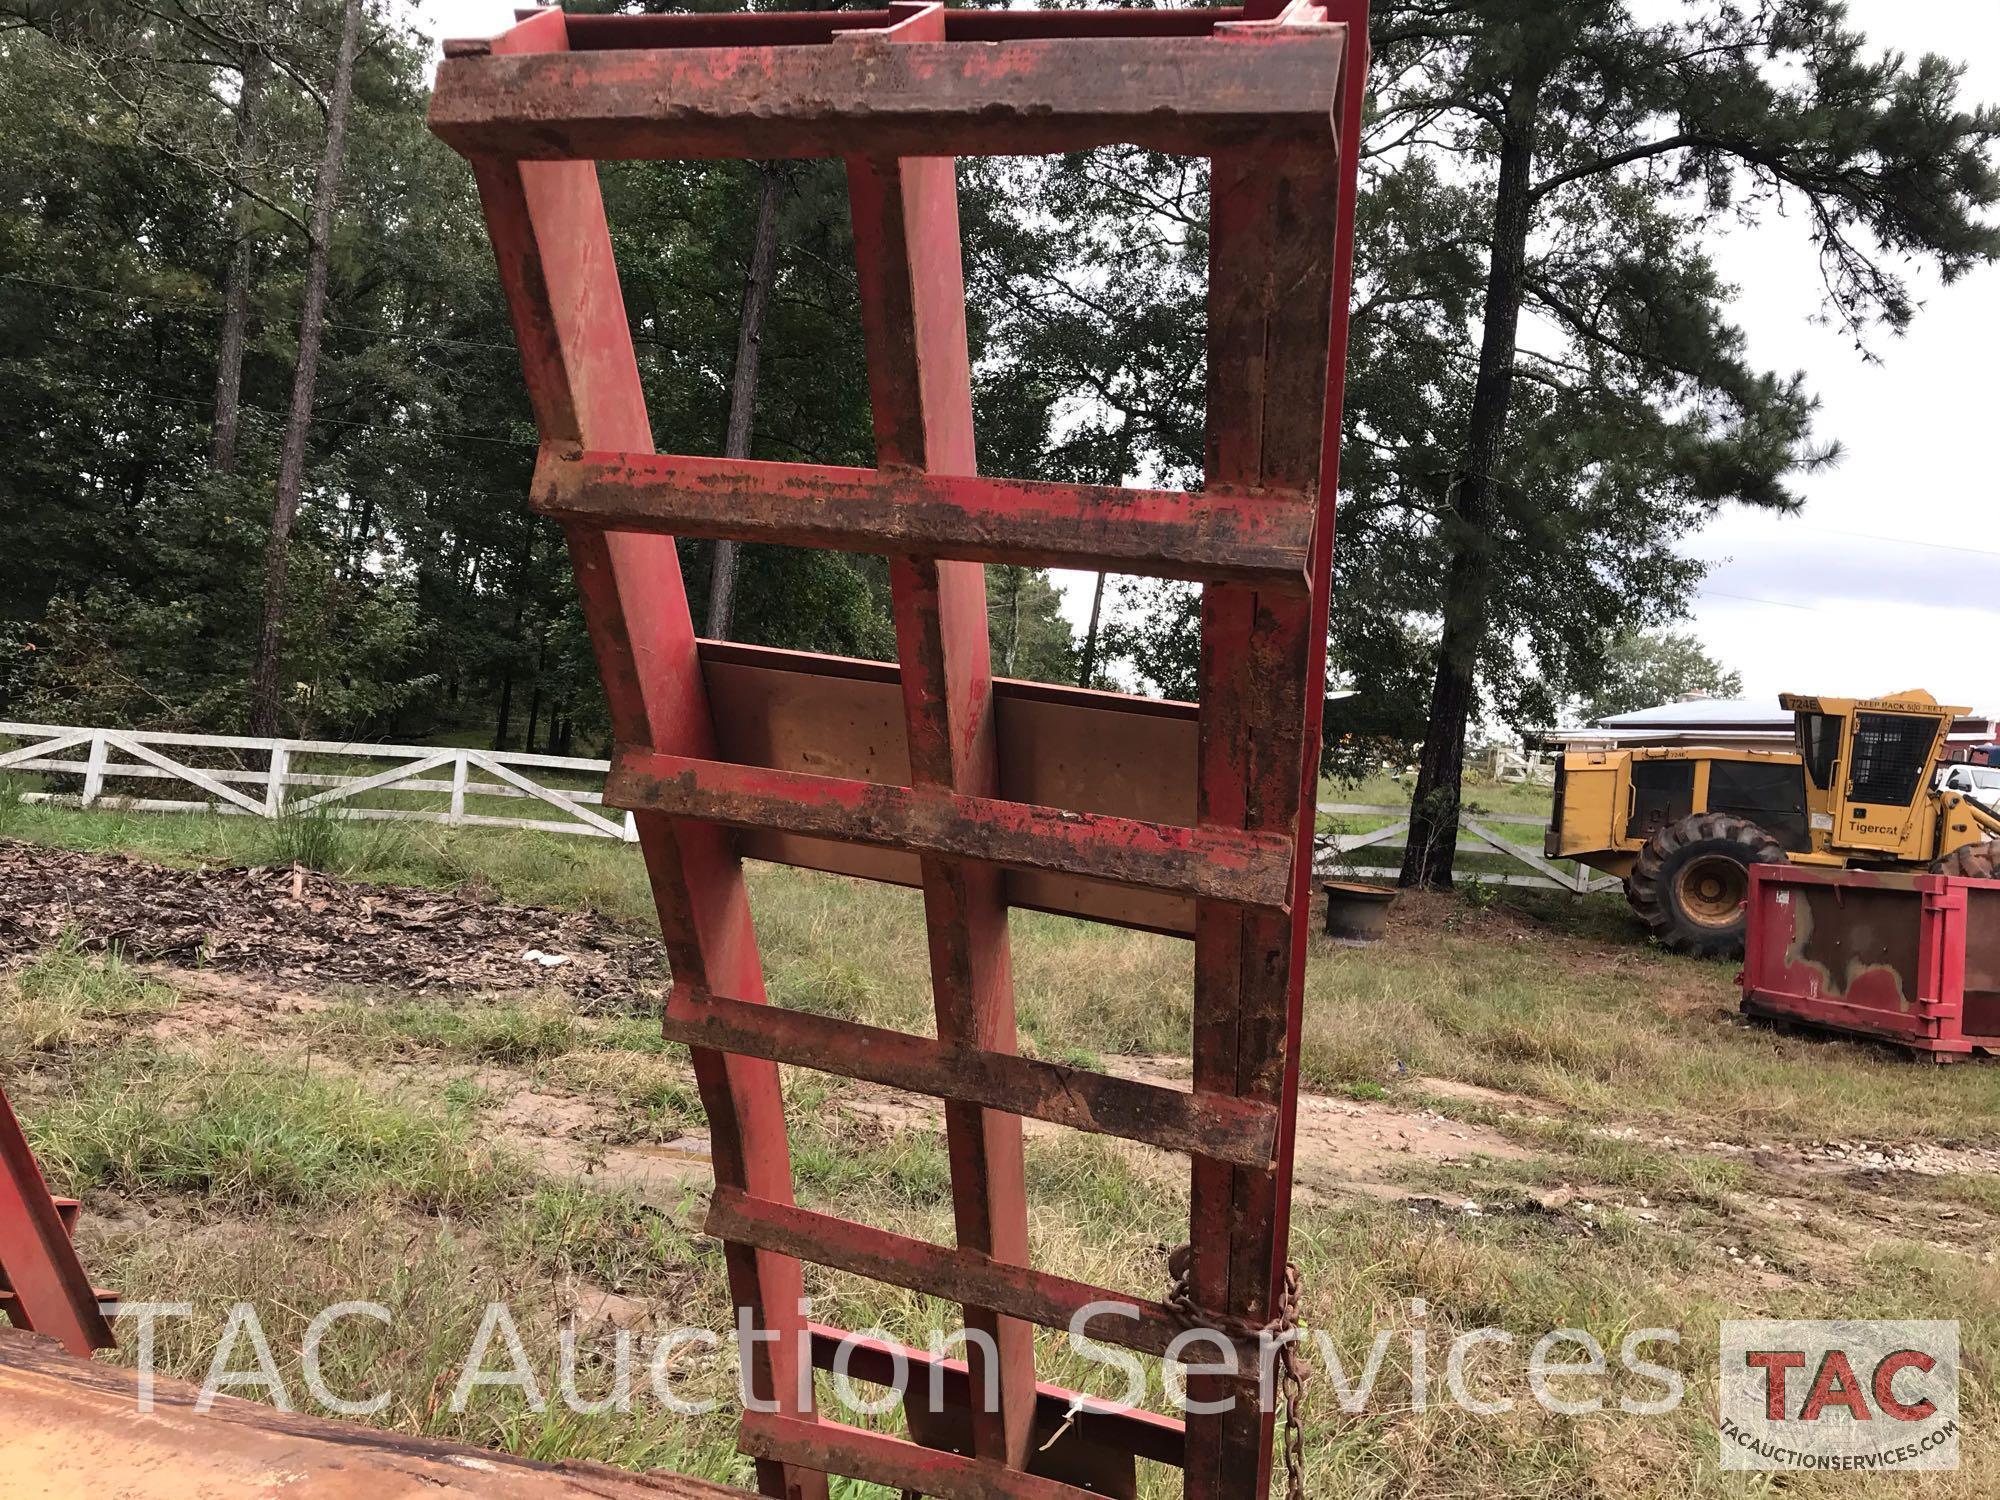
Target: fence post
{"points": [[458, 788], [93, 775], [631, 829], [274, 780]]}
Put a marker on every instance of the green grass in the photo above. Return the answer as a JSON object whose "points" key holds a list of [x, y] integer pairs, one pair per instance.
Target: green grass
{"points": [[514, 1031], [68, 995], [1544, 994], [252, 1133], [357, 1177], [1612, 1033]]}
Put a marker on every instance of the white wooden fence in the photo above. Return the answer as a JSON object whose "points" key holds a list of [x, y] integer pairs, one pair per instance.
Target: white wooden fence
{"points": [[433, 773], [265, 781], [1475, 836]]}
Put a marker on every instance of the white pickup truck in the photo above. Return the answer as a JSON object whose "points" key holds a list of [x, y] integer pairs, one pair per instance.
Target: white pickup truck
{"points": [[1980, 783]]}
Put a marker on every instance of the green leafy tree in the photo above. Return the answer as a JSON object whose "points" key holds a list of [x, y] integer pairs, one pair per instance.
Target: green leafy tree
{"points": [[141, 435], [1551, 168], [1646, 668]]}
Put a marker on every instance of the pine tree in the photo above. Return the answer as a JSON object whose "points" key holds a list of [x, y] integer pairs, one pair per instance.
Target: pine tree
{"points": [[1552, 166]]}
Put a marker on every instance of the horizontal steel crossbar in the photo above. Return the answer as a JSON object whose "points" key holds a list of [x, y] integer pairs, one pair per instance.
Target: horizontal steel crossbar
{"points": [[836, 1448], [954, 1274], [1145, 1434], [1260, 537], [1273, 87], [1235, 866], [1220, 1126]]}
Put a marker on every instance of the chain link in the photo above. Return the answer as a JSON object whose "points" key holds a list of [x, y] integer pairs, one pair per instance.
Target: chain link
{"points": [[1292, 1369]]}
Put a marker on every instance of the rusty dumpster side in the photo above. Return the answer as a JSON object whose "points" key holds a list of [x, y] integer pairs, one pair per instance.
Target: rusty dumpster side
{"points": [[1913, 959]]}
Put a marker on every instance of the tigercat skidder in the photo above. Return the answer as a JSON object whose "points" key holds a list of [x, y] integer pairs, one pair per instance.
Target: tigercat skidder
{"points": [[1682, 825]]}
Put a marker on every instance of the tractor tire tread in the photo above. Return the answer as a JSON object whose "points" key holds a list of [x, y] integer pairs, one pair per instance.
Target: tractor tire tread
{"points": [[1648, 887], [1973, 862]]}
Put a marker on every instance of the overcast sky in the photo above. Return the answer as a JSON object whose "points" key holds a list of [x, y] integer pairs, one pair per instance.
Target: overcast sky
{"points": [[1890, 577]]}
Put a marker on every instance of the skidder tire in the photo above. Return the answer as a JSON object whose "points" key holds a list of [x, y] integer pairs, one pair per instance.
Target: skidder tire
{"points": [[1973, 862], [1692, 879]]}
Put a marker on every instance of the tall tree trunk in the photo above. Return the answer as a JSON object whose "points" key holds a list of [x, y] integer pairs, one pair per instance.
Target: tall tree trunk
{"points": [[743, 387], [1089, 668], [506, 710], [236, 282], [298, 421], [535, 694], [522, 571], [1016, 577], [1432, 846]]}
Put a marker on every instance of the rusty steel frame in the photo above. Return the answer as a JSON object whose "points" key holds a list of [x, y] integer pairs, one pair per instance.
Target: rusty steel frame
{"points": [[43, 1287], [1188, 819]]}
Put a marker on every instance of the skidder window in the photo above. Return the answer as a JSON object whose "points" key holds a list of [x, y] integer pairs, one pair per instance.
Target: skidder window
{"points": [[1890, 753], [1819, 743]]}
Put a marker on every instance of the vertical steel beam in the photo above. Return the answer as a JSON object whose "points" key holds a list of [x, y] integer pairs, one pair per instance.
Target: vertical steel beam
{"points": [[906, 243], [1280, 261], [555, 257]]}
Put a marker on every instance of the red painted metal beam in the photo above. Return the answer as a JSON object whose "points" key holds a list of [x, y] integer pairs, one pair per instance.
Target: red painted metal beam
{"points": [[556, 265], [1221, 1126], [912, 288], [1279, 219], [1192, 95], [49, 1292], [1144, 1434], [956, 1274], [1260, 90], [1212, 534], [1217, 863], [901, 1465]]}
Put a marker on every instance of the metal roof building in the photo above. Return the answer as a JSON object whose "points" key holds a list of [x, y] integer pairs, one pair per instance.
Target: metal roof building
{"points": [[1744, 723]]}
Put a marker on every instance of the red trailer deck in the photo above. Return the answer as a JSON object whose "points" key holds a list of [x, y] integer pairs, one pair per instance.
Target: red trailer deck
{"points": [[1913, 959]]}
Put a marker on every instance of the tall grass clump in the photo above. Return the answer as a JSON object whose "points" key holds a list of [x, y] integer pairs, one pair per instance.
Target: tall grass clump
{"points": [[56, 1000], [251, 1135]]}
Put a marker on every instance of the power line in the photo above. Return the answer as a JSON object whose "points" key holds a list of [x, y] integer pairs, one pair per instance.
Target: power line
{"points": [[1811, 609], [1905, 541]]}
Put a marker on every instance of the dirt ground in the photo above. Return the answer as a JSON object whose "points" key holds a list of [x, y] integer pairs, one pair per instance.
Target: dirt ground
{"points": [[1439, 1147]]}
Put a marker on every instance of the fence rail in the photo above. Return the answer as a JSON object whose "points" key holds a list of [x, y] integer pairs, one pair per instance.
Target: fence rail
{"points": [[453, 774], [457, 775], [1331, 849]]}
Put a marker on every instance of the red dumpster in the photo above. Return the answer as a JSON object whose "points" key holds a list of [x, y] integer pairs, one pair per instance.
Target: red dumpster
{"points": [[1913, 959]]}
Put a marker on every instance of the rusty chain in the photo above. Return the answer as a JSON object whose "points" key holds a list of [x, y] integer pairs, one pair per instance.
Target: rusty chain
{"points": [[1291, 1365]]}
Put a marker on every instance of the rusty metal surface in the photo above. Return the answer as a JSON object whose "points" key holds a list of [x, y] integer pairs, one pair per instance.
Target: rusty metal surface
{"points": [[1982, 957], [854, 93], [1216, 1125], [1165, 533], [985, 795], [1089, 751], [956, 1275], [71, 1430], [1909, 958], [1130, 1430], [1242, 867], [895, 1462], [1858, 942]]}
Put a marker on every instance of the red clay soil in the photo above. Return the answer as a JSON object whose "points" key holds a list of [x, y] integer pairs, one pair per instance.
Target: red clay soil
{"points": [[302, 927]]}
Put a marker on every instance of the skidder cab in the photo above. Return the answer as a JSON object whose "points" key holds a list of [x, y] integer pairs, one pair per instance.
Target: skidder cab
{"points": [[1682, 825]]}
